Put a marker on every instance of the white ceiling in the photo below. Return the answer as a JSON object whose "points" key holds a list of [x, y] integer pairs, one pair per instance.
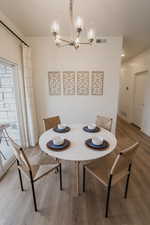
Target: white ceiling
{"points": [[130, 18]]}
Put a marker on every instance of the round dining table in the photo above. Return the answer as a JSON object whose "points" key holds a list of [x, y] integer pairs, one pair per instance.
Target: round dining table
{"points": [[78, 151]]}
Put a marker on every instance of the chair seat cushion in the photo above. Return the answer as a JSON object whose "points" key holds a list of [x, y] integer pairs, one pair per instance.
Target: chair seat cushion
{"points": [[101, 170], [42, 159], [25, 170], [43, 169], [40, 163]]}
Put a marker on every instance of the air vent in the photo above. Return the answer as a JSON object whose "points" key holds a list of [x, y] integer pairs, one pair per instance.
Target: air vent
{"points": [[101, 40]]}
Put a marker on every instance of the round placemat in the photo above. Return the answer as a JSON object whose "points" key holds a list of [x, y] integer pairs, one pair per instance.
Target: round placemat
{"points": [[97, 129], [103, 146], [56, 129], [62, 147]]}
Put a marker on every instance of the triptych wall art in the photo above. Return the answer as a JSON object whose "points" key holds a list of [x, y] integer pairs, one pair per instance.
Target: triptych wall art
{"points": [[76, 83]]}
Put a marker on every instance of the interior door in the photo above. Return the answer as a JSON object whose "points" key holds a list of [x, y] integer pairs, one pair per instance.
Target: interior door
{"points": [[140, 82]]}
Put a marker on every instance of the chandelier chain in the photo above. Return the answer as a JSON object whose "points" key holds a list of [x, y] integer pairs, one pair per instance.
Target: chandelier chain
{"points": [[71, 10], [71, 16]]}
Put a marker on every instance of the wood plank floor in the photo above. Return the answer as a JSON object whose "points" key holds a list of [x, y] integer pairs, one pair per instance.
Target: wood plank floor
{"points": [[65, 208]]}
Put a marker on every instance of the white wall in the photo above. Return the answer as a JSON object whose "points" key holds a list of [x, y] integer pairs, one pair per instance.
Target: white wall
{"points": [[9, 46], [138, 64], [46, 57]]}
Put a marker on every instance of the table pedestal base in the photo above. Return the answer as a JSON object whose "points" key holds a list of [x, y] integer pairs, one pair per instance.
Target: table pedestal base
{"points": [[77, 171]]}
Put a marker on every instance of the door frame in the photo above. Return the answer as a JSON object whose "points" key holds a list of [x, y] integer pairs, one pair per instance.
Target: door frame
{"points": [[16, 79], [8, 164], [134, 88]]}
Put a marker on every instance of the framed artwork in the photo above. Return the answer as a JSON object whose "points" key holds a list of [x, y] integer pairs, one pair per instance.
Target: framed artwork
{"points": [[83, 83], [68, 83], [54, 79], [97, 82]]}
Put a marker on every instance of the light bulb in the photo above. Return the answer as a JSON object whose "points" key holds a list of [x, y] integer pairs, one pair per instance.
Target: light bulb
{"points": [[79, 23], [91, 35], [55, 28], [77, 41]]}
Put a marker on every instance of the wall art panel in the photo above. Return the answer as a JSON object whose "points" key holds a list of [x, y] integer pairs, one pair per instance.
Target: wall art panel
{"points": [[54, 79], [83, 83], [68, 83], [97, 82]]}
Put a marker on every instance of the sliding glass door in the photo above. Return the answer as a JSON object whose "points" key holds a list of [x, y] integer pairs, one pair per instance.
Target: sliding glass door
{"points": [[8, 114]]}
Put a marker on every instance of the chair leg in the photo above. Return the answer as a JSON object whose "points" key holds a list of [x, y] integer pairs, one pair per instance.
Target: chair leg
{"points": [[57, 170], [60, 176], [108, 196], [33, 191], [20, 177], [127, 183], [83, 178]]}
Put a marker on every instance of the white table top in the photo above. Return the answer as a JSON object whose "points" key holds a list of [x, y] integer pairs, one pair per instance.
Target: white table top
{"points": [[77, 151]]}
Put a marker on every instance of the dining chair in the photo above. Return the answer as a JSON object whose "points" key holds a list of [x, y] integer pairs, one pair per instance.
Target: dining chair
{"points": [[104, 122], [110, 170], [32, 171], [51, 122]]}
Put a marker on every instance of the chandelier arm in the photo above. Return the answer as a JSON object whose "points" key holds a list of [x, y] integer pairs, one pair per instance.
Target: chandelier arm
{"points": [[61, 46], [65, 40], [85, 43], [71, 11]]}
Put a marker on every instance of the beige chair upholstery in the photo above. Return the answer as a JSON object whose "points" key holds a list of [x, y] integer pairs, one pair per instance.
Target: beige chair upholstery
{"points": [[110, 169], [32, 171], [51, 122], [104, 122]]}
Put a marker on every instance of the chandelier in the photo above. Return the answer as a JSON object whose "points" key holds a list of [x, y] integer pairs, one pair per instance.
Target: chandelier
{"points": [[77, 30]]}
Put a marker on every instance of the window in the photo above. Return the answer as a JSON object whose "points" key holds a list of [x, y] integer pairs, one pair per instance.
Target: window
{"points": [[8, 109]]}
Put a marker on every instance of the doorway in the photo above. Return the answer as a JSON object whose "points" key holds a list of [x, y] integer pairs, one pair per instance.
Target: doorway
{"points": [[8, 114], [139, 96]]}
